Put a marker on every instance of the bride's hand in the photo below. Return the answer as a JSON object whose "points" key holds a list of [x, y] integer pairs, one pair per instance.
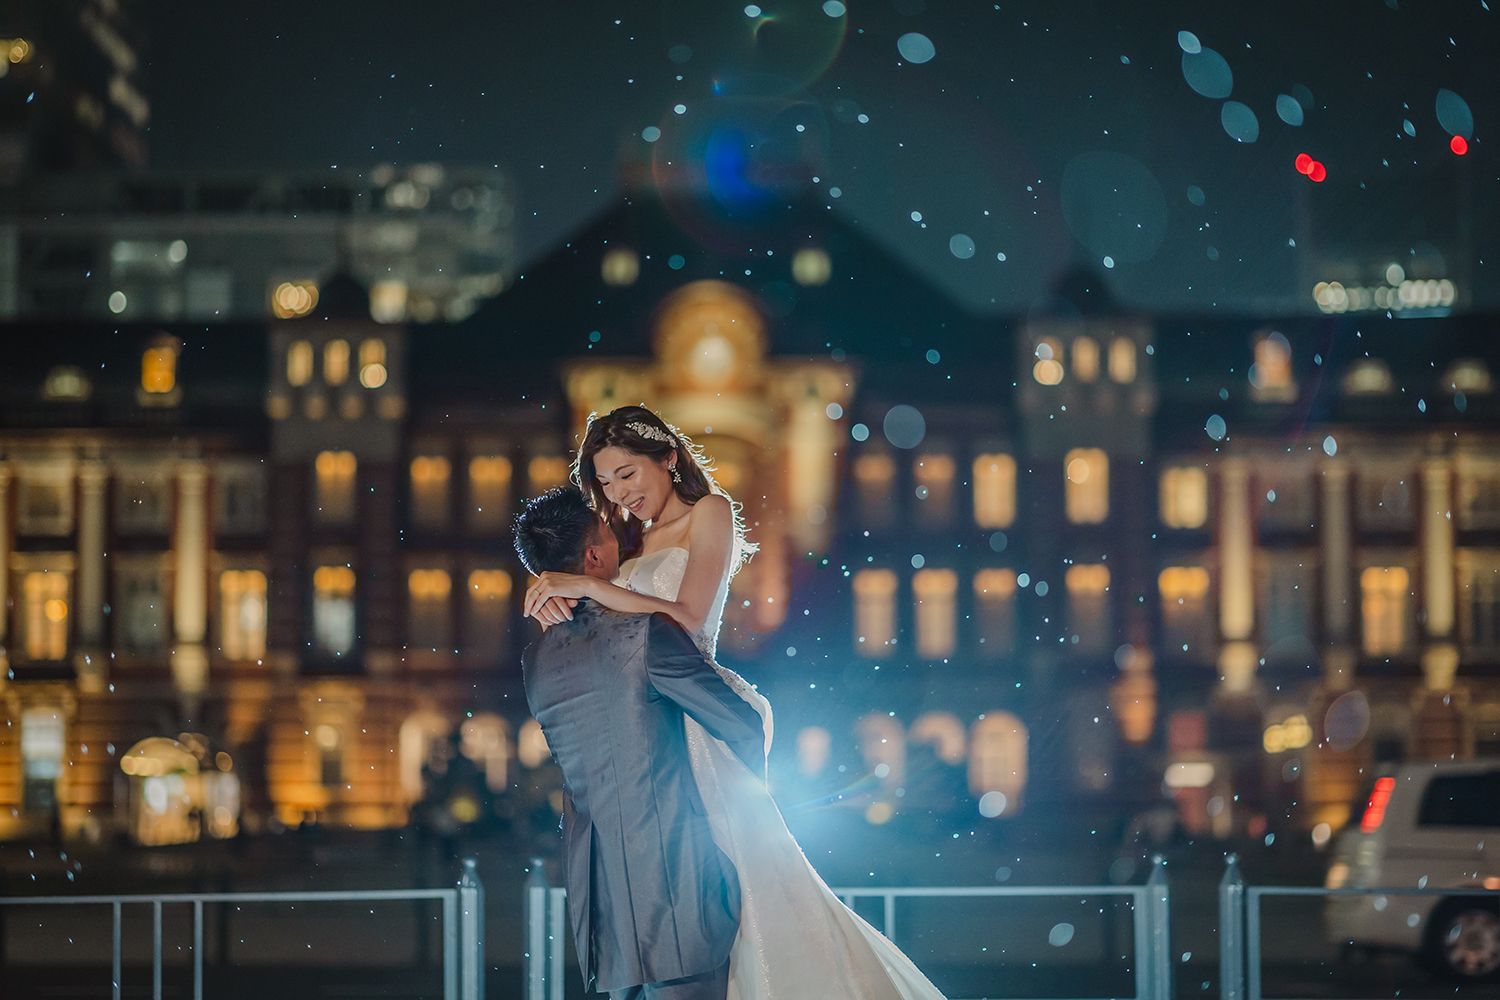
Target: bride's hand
{"points": [[551, 597]]}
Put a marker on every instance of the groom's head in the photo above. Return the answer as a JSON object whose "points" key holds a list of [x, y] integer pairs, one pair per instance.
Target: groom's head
{"points": [[559, 532]]}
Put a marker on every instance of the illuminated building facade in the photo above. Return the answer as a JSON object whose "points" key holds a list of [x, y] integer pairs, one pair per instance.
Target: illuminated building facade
{"points": [[1235, 558]]}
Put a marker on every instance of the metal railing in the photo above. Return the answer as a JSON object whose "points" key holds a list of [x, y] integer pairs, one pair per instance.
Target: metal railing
{"points": [[1240, 922], [546, 939], [463, 925]]}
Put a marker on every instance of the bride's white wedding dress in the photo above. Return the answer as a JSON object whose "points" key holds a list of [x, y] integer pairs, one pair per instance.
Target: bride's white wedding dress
{"points": [[797, 940]]}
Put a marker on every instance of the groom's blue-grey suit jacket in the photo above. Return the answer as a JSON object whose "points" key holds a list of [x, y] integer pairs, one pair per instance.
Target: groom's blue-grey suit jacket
{"points": [[651, 898]]}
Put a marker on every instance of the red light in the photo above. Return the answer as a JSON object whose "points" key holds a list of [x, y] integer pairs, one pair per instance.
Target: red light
{"points": [[1459, 145], [1304, 163], [1375, 811], [1317, 172]]}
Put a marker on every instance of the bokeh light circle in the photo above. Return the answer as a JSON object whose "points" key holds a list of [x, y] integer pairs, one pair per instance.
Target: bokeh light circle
{"points": [[916, 47], [1303, 163], [1239, 121], [961, 246], [1215, 427], [1207, 73], [1347, 720], [1060, 934], [1317, 172], [904, 426], [1189, 42], [1195, 195], [1288, 110], [1453, 114], [1459, 145], [650, 133], [992, 804]]}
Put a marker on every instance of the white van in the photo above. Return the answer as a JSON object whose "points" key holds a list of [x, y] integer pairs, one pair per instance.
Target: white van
{"points": [[1425, 826]]}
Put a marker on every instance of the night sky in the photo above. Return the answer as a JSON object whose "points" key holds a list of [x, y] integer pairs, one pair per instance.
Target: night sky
{"points": [[1014, 134]]}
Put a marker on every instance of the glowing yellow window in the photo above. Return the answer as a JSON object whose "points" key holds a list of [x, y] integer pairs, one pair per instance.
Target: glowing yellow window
{"points": [[811, 266], [1088, 604], [1184, 497], [874, 472], [1048, 369], [46, 615], [336, 362], [489, 493], [546, 472], [934, 476], [934, 592], [874, 611], [299, 362], [431, 616], [333, 610], [997, 763], [489, 586], [994, 491], [1384, 595], [1122, 360], [242, 614], [1271, 373], [995, 610], [372, 372], [487, 614], [159, 369], [1085, 359], [620, 266], [335, 486], [1086, 498], [429, 491]]}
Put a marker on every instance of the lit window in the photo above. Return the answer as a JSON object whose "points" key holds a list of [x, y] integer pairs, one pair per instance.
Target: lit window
{"points": [[811, 266], [1088, 605], [1271, 373], [291, 299], [934, 477], [994, 599], [934, 592], [372, 371], [159, 368], [546, 472], [67, 382], [299, 362], [1384, 602], [487, 615], [620, 266], [140, 616], [944, 733], [1085, 359], [242, 614], [485, 740], [45, 614], [874, 611], [994, 491], [415, 741], [874, 472], [489, 493], [388, 301], [429, 492], [882, 744], [1479, 601], [1184, 497], [1187, 620], [814, 745], [531, 745], [1469, 376], [1048, 369], [329, 743], [1122, 360], [1288, 588], [43, 746], [1369, 377], [997, 762], [431, 619], [333, 610], [335, 486], [336, 362], [1087, 485]]}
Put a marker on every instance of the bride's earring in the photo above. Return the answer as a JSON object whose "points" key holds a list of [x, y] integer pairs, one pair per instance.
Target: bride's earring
{"points": [[676, 475]]}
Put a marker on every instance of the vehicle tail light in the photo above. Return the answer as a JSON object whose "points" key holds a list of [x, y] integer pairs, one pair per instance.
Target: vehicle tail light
{"points": [[1375, 810]]}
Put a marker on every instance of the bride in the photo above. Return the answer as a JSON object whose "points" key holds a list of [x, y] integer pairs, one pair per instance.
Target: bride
{"points": [[797, 940]]}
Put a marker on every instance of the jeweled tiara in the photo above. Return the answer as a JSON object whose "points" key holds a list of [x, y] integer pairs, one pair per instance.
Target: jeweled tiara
{"points": [[651, 433]]}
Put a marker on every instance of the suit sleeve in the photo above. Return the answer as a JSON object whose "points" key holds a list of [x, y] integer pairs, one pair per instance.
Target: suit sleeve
{"points": [[681, 674]]}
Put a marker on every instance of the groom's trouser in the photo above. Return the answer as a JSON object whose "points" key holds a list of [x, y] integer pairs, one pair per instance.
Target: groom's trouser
{"points": [[705, 986]]}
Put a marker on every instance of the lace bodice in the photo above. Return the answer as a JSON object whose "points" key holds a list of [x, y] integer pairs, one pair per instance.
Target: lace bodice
{"points": [[660, 575]]}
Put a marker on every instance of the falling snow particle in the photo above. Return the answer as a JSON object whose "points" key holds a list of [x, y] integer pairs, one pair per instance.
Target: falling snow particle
{"points": [[1109, 262], [834, 9], [915, 47]]}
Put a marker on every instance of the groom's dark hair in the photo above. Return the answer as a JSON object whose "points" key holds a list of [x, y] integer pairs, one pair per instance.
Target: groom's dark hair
{"points": [[553, 531]]}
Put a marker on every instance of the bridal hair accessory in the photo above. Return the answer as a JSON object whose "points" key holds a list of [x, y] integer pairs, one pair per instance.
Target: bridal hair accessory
{"points": [[651, 433]]}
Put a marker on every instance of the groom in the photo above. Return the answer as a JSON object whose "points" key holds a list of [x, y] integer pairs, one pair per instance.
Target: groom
{"points": [[654, 904]]}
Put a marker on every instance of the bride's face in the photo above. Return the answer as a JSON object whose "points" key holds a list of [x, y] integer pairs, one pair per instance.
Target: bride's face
{"points": [[639, 484]]}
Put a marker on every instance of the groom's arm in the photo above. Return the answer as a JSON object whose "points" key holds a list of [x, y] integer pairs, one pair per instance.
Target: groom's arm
{"points": [[681, 674]]}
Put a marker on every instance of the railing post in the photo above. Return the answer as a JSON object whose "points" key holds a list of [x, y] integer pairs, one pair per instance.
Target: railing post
{"points": [[450, 945], [156, 949], [1232, 931], [197, 949], [557, 940], [471, 933], [534, 918], [1158, 917], [115, 992]]}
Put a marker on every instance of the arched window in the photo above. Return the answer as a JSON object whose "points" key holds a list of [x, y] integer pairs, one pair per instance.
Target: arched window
{"points": [[336, 362], [995, 606], [814, 745], [1085, 359], [333, 610], [489, 494], [1184, 497], [1385, 596], [485, 739], [430, 627], [874, 611], [299, 362], [242, 614], [429, 492], [335, 496], [1187, 621], [1088, 606], [1122, 360], [487, 615], [933, 473], [997, 760], [415, 740], [944, 733], [1271, 374], [1086, 486]]}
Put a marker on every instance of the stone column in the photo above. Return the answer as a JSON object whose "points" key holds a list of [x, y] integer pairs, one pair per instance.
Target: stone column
{"points": [[1335, 540], [1437, 548], [1237, 658], [4, 570], [190, 597], [1439, 707], [90, 662]]}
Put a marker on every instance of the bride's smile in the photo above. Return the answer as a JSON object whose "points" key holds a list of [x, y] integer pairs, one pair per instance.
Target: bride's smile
{"points": [[638, 484]]}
